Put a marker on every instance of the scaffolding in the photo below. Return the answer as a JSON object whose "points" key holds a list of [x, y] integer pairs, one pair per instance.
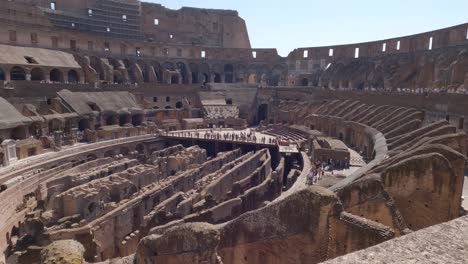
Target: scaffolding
{"points": [[109, 18]]}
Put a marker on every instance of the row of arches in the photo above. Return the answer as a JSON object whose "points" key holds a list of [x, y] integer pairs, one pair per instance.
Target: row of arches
{"points": [[18, 73], [180, 72]]}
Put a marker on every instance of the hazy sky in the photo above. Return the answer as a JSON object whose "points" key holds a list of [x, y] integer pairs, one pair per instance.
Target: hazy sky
{"points": [[290, 24]]}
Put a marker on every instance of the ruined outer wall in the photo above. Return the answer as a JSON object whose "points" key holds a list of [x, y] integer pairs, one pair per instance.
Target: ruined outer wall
{"points": [[452, 36]]}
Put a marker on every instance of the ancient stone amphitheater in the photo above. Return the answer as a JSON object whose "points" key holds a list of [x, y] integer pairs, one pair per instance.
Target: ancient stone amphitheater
{"points": [[133, 133]]}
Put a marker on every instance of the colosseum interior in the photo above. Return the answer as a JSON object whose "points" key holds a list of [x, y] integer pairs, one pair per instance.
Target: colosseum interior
{"points": [[134, 133]]}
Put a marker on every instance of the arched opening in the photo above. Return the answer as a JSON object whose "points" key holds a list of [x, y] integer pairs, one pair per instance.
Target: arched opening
{"points": [[124, 151], [217, 78], [228, 73], [109, 154], [194, 77], [2, 75], [305, 82], [179, 105], [137, 120], [91, 157], [37, 74], [73, 76], [56, 75], [17, 74], [140, 148], [118, 77], [19, 133], [55, 125], [183, 72], [92, 207], [111, 120], [83, 124], [205, 72], [96, 64], [35, 129], [124, 119], [262, 112], [340, 136], [157, 71]]}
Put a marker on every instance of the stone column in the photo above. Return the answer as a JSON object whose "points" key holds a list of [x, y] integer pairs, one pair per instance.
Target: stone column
{"points": [[9, 147]]}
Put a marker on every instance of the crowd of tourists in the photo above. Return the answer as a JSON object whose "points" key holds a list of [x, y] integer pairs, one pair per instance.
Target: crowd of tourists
{"points": [[318, 168], [247, 136]]}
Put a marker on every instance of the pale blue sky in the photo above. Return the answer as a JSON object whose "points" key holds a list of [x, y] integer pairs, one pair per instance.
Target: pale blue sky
{"points": [[290, 24]]}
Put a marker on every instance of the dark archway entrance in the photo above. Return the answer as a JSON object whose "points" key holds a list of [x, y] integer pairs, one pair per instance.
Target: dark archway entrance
{"points": [[228, 73], [17, 74], [37, 74], [262, 113], [73, 76], [217, 78], [137, 120], [56, 75], [305, 82], [83, 124]]}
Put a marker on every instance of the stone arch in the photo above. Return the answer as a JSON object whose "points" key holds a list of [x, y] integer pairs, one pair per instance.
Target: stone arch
{"points": [[17, 73], [158, 71], [137, 119], [91, 157], [195, 74], [56, 75], [35, 129], [217, 71], [130, 67], [145, 71], [252, 74], [124, 119], [84, 124], [179, 105], [217, 78], [183, 72], [262, 112], [109, 154], [228, 73], [252, 78], [140, 148], [205, 72], [276, 75], [124, 151], [19, 132], [241, 73], [118, 77], [265, 74], [96, 64], [73, 76], [37, 74], [110, 118]]}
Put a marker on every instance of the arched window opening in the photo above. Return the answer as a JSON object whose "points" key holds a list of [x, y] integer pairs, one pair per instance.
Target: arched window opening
{"points": [[37, 74], [73, 76], [17, 74], [56, 75]]}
